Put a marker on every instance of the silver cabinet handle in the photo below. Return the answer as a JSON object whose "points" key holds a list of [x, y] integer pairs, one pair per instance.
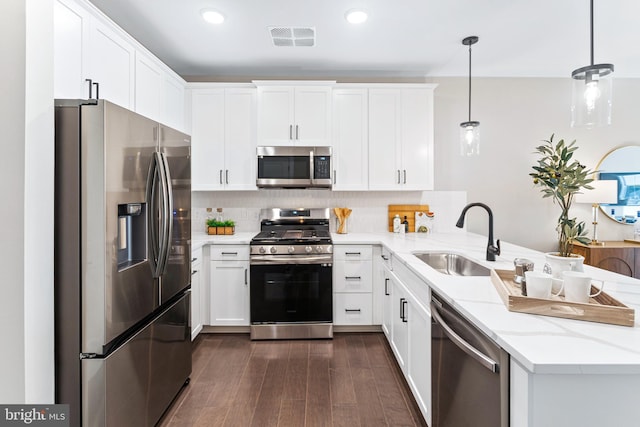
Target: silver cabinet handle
{"points": [[398, 176], [90, 87], [226, 176], [290, 131], [485, 361], [352, 278], [404, 171], [245, 277], [97, 85], [221, 177], [352, 310], [334, 176], [297, 132]]}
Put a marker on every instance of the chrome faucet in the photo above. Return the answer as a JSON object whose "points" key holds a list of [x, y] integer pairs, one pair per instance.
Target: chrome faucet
{"points": [[492, 250]]}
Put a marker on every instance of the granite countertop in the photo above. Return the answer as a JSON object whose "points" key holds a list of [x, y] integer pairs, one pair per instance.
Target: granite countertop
{"points": [[541, 344]]}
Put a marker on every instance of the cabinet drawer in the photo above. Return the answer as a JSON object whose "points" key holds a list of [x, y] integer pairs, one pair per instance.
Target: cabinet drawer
{"points": [[352, 276], [229, 252], [352, 252], [352, 309]]}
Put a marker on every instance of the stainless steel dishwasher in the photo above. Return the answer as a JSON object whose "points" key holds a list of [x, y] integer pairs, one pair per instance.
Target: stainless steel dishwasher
{"points": [[470, 372]]}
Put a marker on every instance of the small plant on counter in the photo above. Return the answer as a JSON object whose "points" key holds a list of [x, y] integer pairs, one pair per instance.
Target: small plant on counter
{"points": [[220, 227], [561, 177]]}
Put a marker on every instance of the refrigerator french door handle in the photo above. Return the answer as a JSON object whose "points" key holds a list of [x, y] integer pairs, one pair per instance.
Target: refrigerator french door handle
{"points": [[166, 213], [151, 220]]}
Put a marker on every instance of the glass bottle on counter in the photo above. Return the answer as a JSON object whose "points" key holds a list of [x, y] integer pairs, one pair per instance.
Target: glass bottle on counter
{"points": [[396, 223], [219, 216], [405, 224]]}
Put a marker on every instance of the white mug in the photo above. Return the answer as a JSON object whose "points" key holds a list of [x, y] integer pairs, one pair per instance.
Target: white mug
{"points": [[539, 284], [577, 286]]}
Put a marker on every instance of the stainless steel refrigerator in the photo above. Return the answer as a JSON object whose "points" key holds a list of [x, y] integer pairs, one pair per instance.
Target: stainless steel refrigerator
{"points": [[122, 264]]}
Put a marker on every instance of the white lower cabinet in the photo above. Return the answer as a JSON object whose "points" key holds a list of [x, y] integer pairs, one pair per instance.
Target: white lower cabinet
{"points": [[352, 285], [196, 293], [406, 322], [229, 290]]}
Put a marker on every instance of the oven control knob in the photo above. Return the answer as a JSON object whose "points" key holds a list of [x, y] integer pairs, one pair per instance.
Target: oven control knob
{"points": [[273, 249], [308, 249], [291, 249], [318, 248], [262, 250]]}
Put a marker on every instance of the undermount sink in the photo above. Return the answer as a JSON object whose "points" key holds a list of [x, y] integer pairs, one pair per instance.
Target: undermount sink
{"points": [[452, 264]]}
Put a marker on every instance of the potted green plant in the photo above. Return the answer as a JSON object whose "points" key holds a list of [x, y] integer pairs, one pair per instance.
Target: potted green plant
{"points": [[560, 177], [220, 227]]}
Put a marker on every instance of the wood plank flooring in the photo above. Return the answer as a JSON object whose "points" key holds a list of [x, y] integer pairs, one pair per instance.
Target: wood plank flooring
{"points": [[352, 380]]}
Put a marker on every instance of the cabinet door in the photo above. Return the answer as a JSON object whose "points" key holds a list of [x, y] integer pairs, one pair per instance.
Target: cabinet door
{"points": [[384, 139], [70, 33], [229, 293], [196, 296], [207, 139], [173, 102], [400, 330], [240, 139], [312, 117], [275, 115], [417, 139], [387, 306], [148, 87], [419, 363], [112, 65], [350, 139]]}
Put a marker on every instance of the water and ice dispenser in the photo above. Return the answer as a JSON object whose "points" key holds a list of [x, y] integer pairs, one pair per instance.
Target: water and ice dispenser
{"points": [[132, 234]]}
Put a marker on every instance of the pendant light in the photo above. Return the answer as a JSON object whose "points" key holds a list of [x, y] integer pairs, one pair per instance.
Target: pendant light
{"points": [[592, 92], [470, 130]]}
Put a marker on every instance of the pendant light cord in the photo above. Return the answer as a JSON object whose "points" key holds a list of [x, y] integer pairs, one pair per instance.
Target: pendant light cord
{"points": [[470, 81], [591, 24]]}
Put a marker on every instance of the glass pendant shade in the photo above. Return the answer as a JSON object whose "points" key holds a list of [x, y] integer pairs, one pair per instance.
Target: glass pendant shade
{"points": [[592, 96], [470, 138]]}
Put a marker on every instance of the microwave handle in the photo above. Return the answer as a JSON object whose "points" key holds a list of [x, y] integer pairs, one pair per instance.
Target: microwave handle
{"points": [[311, 168]]}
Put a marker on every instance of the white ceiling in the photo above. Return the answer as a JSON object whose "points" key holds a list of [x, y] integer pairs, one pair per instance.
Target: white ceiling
{"points": [[402, 38]]}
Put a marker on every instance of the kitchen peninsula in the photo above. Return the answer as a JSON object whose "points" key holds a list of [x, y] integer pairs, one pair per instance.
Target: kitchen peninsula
{"points": [[563, 372]]}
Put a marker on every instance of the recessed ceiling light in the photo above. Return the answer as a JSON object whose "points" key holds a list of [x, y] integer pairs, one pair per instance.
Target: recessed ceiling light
{"points": [[212, 16], [355, 16]]}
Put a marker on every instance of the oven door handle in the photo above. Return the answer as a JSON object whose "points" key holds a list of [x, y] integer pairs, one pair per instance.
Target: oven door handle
{"points": [[267, 260], [481, 358]]}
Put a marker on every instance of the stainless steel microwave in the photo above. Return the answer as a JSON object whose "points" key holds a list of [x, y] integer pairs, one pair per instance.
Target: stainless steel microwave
{"points": [[294, 167]]}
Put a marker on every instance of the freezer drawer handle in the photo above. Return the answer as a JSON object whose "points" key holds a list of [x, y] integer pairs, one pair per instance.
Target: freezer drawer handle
{"points": [[485, 361]]}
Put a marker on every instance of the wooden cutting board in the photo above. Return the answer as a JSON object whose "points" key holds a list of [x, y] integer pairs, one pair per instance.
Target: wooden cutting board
{"points": [[405, 210]]}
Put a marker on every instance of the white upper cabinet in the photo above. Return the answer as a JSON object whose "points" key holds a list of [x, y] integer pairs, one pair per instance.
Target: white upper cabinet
{"points": [[350, 139], [223, 142], [401, 138], [89, 46], [294, 115]]}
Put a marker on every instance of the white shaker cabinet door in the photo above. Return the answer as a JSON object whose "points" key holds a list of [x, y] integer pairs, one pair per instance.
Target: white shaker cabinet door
{"points": [[207, 139], [350, 139], [148, 87], [312, 115], [70, 41], [384, 139], [275, 115], [229, 293], [417, 139], [240, 139]]}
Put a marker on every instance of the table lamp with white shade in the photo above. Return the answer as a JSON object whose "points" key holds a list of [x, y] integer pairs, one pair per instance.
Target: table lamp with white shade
{"points": [[604, 191]]}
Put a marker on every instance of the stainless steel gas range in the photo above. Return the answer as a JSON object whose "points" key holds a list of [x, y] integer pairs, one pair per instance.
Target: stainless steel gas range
{"points": [[291, 266]]}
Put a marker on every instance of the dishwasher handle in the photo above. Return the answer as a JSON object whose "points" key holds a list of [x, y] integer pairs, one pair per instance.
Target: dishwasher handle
{"points": [[481, 358]]}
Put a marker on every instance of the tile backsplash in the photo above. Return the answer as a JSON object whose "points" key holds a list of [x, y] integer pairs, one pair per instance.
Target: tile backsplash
{"points": [[369, 207]]}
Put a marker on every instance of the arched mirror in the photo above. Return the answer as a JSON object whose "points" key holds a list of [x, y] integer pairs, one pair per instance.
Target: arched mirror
{"points": [[623, 166]]}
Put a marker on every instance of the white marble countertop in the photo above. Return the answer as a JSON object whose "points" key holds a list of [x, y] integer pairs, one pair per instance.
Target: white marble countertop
{"points": [[542, 344]]}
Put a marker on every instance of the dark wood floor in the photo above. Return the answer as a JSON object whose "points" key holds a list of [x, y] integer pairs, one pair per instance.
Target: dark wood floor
{"points": [[351, 380]]}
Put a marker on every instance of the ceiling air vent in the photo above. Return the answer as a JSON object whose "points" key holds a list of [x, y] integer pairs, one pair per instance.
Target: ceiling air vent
{"points": [[293, 36]]}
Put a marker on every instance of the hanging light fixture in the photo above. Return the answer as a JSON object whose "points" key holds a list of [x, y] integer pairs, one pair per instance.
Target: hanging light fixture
{"points": [[470, 130], [592, 92]]}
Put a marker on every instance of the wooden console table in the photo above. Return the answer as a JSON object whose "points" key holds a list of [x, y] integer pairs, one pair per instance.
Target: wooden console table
{"points": [[618, 256]]}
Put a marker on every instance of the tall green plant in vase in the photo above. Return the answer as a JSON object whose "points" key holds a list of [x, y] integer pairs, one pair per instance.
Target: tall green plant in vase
{"points": [[560, 176]]}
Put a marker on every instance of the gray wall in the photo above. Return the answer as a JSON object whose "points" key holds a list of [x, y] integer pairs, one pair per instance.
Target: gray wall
{"points": [[26, 213], [515, 115]]}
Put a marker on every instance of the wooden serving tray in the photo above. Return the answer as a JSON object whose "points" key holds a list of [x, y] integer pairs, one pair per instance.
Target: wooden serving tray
{"points": [[602, 308], [405, 210]]}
